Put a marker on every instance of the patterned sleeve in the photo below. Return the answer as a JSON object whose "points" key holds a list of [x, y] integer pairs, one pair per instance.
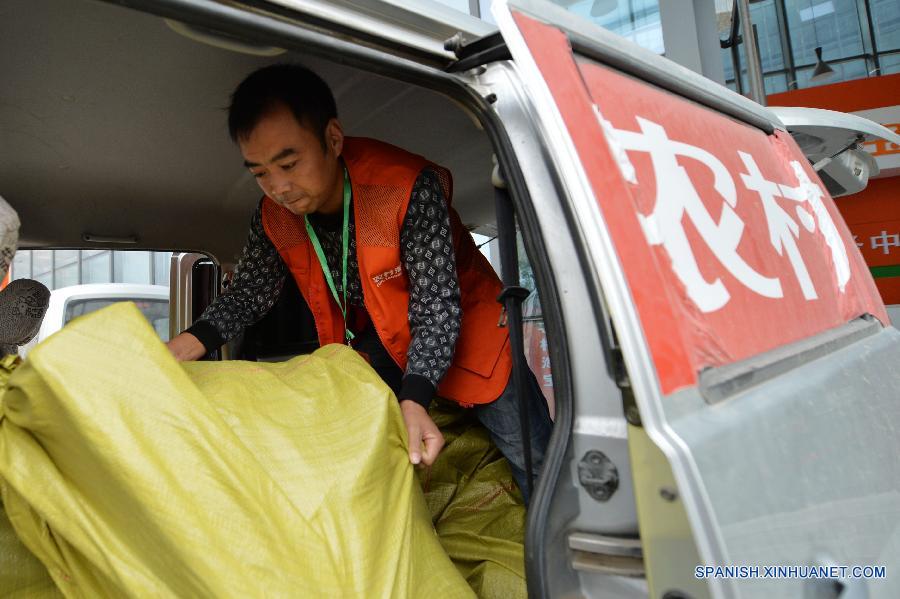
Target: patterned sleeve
{"points": [[255, 287], [435, 315]]}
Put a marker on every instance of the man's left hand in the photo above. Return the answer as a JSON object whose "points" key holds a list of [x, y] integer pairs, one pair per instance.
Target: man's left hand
{"points": [[421, 432]]}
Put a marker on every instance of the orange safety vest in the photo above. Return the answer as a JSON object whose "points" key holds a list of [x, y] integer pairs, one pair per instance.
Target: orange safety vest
{"points": [[382, 177]]}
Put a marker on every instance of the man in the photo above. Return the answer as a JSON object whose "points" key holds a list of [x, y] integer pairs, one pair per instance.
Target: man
{"points": [[382, 260]]}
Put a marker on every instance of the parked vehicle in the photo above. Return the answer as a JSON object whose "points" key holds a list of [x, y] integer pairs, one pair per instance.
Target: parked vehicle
{"points": [[723, 368], [71, 302]]}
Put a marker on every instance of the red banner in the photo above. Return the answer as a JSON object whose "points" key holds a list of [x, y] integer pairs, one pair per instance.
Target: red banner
{"points": [[730, 244]]}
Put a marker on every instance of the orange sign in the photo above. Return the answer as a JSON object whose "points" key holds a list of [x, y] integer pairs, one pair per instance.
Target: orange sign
{"points": [[883, 147]]}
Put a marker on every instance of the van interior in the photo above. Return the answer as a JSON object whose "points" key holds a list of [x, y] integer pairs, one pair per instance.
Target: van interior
{"points": [[114, 135], [114, 131]]}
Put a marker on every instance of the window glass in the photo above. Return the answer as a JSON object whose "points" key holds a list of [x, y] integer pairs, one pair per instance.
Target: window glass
{"points": [[724, 12], [890, 64], [833, 25], [65, 257], [728, 65], [42, 265], [742, 59], [131, 267], [845, 71], [637, 20], [66, 275], [483, 243], [534, 334], [65, 268], [46, 279], [156, 311], [21, 265], [762, 14], [95, 268], [886, 21], [775, 83], [161, 267]]}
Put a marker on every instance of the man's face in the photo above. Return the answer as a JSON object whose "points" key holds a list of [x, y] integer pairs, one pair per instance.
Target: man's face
{"points": [[290, 164]]}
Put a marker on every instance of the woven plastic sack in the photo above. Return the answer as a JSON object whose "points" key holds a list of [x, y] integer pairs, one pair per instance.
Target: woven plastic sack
{"points": [[128, 474], [476, 506], [22, 576]]}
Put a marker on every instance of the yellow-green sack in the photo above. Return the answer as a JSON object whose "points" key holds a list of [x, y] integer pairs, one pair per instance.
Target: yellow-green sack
{"points": [[128, 474], [476, 506]]}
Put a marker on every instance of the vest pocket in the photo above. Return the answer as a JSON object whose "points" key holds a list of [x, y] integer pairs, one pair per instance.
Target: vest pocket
{"points": [[480, 341]]}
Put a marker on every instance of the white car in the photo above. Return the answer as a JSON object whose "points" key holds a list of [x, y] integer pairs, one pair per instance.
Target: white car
{"points": [[71, 302]]}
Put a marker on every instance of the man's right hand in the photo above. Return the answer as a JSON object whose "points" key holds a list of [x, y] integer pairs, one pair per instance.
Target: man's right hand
{"points": [[422, 433], [186, 347]]}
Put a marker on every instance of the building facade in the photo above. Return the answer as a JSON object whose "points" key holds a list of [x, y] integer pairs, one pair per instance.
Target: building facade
{"points": [[62, 268]]}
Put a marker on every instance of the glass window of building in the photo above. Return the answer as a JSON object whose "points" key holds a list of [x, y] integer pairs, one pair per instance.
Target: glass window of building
{"points": [[637, 20], [131, 267], [97, 266], [765, 18], [843, 71], [161, 261], [890, 64], [62, 268], [858, 38], [42, 267], [21, 265], [833, 25], [66, 269], [886, 23]]}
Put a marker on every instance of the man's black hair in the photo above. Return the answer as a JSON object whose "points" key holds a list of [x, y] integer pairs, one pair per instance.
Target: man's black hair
{"points": [[295, 86]]}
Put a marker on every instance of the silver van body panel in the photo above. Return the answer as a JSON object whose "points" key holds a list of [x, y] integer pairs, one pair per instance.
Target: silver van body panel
{"points": [[422, 25], [801, 469]]}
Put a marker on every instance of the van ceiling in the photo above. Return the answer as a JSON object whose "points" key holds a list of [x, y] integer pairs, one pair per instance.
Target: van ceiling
{"points": [[112, 124]]}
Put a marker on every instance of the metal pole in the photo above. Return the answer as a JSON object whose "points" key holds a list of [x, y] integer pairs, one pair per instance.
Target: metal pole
{"points": [[754, 68], [870, 30], [787, 48]]}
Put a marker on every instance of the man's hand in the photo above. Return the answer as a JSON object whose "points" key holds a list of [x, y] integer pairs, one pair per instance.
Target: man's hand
{"points": [[186, 347], [421, 430]]}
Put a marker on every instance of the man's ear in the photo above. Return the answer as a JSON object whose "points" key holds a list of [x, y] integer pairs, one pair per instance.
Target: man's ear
{"points": [[334, 137]]}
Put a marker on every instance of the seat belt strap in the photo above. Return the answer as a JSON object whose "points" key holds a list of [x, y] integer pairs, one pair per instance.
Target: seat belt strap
{"points": [[512, 297]]}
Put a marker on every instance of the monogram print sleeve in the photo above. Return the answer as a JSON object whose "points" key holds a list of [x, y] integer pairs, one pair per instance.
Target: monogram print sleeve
{"points": [[426, 247], [258, 278]]}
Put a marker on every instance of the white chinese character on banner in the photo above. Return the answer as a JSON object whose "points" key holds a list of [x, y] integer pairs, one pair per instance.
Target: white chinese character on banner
{"points": [[813, 194], [856, 240], [676, 197], [784, 230], [885, 242]]}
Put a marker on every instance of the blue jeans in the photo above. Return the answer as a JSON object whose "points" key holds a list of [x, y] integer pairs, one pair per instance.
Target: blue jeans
{"points": [[501, 419]]}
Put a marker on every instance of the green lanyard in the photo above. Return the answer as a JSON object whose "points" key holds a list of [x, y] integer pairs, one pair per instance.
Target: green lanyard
{"points": [[345, 237]]}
